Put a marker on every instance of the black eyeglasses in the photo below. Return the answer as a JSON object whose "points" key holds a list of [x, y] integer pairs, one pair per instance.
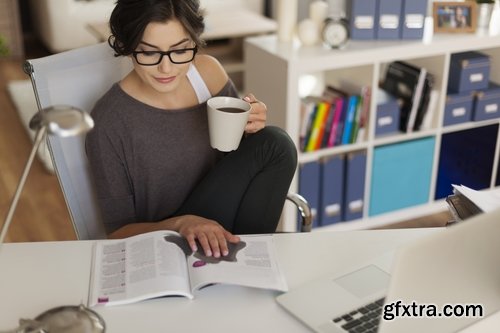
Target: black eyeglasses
{"points": [[151, 58]]}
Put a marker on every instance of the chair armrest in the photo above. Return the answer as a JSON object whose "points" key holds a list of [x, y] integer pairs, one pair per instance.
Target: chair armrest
{"points": [[304, 209]]}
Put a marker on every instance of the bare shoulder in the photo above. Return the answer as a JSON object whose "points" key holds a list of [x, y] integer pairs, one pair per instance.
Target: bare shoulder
{"points": [[212, 72]]}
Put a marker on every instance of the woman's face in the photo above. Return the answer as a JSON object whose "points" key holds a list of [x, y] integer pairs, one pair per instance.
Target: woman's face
{"points": [[166, 76]]}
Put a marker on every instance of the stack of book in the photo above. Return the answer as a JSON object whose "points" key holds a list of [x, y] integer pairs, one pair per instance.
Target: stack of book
{"points": [[336, 118], [461, 207], [466, 202]]}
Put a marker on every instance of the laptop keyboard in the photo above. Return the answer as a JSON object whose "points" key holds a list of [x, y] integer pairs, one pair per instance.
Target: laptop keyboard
{"points": [[363, 319]]}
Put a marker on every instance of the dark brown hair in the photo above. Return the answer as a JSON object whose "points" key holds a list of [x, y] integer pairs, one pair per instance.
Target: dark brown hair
{"points": [[130, 18]]}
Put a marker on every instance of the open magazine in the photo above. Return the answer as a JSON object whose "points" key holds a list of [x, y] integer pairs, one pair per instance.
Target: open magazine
{"points": [[161, 263]]}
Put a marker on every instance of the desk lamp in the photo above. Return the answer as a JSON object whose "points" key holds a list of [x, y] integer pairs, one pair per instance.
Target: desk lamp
{"points": [[62, 121]]}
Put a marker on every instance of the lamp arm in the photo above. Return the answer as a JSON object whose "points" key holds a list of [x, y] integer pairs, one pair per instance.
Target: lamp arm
{"points": [[38, 139]]}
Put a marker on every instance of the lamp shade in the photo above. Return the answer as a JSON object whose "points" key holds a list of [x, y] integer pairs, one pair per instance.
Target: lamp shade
{"points": [[62, 121]]}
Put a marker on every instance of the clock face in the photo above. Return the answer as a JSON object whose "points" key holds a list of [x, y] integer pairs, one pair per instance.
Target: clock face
{"points": [[335, 33]]}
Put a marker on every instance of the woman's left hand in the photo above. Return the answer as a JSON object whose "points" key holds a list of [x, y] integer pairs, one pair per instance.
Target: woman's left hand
{"points": [[258, 115]]}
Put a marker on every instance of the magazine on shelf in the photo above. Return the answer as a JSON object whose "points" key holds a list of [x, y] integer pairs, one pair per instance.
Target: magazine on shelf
{"points": [[318, 127], [350, 120], [161, 263], [364, 93], [417, 97], [413, 85], [309, 108]]}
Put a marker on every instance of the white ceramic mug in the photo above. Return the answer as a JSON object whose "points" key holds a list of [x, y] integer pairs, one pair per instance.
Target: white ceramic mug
{"points": [[227, 117]]}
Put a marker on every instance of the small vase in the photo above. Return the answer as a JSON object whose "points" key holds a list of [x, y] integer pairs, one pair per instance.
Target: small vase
{"points": [[287, 19], [484, 15]]}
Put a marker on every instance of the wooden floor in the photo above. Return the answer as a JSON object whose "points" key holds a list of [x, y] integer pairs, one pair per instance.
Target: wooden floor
{"points": [[42, 214]]}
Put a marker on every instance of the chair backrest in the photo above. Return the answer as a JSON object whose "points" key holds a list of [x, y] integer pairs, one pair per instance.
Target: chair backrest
{"points": [[77, 78]]}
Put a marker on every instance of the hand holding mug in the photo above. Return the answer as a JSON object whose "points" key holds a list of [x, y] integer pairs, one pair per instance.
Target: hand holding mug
{"points": [[258, 115]]}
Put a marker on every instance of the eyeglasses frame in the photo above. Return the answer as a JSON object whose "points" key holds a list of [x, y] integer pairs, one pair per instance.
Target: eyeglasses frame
{"points": [[167, 53]]}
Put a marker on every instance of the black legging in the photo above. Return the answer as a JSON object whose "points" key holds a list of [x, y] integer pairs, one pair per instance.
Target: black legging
{"points": [[246, 190]]}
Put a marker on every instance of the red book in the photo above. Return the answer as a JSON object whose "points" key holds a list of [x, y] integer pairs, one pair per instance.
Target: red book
{"points": [[339, 103]]}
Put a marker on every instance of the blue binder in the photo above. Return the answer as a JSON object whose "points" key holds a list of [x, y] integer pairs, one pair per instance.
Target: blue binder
{"points": [[332, 188], [309, 187], [389, 19], [362, 14], [413, 19], [354, 189]]}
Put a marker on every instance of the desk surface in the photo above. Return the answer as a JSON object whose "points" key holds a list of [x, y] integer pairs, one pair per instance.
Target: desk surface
{"points": [[38, 276]]}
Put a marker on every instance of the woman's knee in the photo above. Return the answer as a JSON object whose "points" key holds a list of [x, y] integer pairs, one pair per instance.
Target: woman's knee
{"points": [[282, 145]]}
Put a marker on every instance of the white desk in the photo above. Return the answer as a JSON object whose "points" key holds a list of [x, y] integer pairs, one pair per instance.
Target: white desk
{"points": [[37, 276]]}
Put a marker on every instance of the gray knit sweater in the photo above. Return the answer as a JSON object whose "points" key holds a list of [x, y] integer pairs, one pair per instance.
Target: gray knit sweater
{"points": [[145, 161]]}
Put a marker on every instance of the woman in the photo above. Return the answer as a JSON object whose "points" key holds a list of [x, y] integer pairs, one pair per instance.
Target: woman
{"points": [[149, 151]]}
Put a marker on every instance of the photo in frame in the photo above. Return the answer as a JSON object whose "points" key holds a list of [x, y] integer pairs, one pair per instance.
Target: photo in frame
{"points": [[455, 16]]}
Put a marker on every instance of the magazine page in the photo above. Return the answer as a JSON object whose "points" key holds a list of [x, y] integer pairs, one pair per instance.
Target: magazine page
{"points": [[138, 268], [486, 201], [252, 263]]}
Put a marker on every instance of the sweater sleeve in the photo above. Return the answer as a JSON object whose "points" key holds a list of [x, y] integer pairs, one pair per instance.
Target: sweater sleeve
{"points": [[105, 152], [229, 89]]}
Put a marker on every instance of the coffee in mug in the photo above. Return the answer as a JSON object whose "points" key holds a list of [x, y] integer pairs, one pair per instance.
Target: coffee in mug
{"points": [[232, 110]]}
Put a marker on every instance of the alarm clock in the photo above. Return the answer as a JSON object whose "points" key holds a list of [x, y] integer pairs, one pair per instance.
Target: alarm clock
{"points": [[335, 32]]}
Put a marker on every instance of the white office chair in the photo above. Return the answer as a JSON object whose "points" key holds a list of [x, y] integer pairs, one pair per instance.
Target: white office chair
{"points": [[78, 78]]}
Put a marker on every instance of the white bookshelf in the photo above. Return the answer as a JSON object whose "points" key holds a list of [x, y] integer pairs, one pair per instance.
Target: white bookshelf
{"points": [[274, 69]]}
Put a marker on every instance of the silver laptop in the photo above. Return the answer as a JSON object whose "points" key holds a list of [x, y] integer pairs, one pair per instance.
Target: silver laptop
{"points": [[440, 283]]}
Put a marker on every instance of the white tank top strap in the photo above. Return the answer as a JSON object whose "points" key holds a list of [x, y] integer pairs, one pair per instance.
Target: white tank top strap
{"points": [[199, 86]]}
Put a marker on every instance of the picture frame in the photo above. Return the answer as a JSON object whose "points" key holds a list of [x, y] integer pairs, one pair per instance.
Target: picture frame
{"points": [[454, 16]]}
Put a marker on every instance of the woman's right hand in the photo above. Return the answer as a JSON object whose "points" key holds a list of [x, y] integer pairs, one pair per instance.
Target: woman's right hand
{"points": [[211, 236]]}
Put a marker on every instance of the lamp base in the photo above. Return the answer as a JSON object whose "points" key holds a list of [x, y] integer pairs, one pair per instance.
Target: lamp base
{"points": [[64, 319]]}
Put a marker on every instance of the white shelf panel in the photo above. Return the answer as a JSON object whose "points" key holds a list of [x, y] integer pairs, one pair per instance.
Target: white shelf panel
{"points": [[379, 141], [318, 154], [384, 220], [357, 53], [468, 125]]}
